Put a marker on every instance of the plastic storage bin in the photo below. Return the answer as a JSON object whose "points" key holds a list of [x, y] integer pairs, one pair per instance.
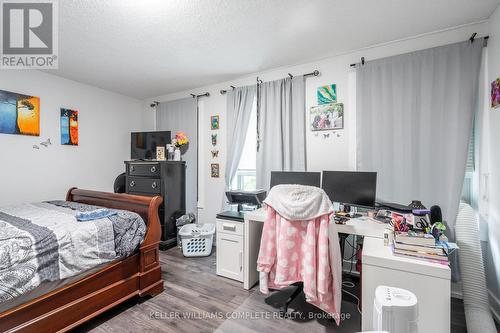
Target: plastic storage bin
{"points": [[197, 240]]}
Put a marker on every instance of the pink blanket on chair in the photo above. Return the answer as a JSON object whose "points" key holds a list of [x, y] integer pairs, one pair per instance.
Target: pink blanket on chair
{"points": [[301, 250]]}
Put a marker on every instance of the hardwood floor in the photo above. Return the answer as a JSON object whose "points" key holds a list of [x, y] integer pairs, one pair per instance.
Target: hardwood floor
{"points": [[197, 300]]}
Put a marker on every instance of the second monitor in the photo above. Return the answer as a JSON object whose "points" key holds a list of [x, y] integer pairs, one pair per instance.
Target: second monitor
{"points": [[351, 188], [294, 177]]}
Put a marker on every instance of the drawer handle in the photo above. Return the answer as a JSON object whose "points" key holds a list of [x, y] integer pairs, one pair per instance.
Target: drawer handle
{"points": [[153, 169], [154, 185], [132, 183], [228, 227], [132, 168]]}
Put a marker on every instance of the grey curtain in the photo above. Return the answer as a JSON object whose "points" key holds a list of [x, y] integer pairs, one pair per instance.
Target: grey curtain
{"points": [[414, 120], [281, 128], [239, 108], [182, 115]]}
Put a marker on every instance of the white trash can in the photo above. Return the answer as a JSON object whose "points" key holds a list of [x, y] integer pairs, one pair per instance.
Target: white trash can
{"points": [[197, 240], [395, 310]]}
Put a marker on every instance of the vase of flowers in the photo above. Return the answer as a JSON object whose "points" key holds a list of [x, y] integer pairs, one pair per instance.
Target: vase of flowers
{"points": [[180, 142]]}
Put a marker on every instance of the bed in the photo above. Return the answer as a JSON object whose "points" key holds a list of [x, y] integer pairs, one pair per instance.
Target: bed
{"points": [[85, 296]]}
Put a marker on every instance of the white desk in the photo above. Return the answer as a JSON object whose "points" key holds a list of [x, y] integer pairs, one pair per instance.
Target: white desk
{"points": [[253, 229], [430, 282]]}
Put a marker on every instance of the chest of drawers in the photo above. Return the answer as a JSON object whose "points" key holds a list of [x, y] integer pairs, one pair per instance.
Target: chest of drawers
{"points": [[164, 178]]}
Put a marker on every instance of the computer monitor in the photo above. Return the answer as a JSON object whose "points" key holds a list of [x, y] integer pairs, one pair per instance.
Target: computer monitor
{"points": [[351, 188], [294, 177]]}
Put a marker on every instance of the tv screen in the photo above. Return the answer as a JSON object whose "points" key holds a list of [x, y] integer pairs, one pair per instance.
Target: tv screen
{"points": [[143, 144]]}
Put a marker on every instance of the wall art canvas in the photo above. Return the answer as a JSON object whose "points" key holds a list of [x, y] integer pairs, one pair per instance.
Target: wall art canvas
{"points": [[214, 122], [495, 93], [327, 117], [214, 170], [19, 114], [327, 94], [69, 127]]}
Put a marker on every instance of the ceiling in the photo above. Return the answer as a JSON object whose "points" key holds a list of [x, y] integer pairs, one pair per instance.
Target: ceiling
{"points": [[148, 48]]}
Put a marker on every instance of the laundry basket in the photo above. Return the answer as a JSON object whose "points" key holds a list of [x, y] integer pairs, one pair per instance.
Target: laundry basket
{"points": [[197, 239]]}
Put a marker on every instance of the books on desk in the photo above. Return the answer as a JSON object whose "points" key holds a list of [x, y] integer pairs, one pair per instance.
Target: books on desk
{"points": [[420, 246]]}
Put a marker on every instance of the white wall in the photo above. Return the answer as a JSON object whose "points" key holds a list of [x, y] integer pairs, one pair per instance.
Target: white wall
{"points": [[334, 153], [493, 253], [105, 121]]}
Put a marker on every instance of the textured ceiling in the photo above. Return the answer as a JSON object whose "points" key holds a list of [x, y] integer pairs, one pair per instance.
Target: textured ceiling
{"points": [[145, 48]]}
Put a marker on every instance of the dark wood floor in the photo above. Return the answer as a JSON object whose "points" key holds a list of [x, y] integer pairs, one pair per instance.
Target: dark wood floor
{"points": [[197, 300]]}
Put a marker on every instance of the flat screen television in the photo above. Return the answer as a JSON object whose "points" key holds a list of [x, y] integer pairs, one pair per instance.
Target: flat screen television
{"points": [[143, 144]]}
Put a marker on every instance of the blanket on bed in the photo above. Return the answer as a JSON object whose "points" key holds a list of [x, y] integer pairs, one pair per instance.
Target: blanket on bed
{"points": [[42, 242]]}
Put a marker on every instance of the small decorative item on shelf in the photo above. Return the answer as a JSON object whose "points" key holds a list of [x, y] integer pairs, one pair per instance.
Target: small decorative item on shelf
{"points": [[160, 153], [170, 152], [181, 143]]}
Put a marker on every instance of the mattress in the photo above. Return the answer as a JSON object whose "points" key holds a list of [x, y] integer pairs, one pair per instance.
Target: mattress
{"points": [[43, 246]]}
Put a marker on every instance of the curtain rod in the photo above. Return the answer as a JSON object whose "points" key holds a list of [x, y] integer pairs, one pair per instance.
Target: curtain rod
{"points": [[471, 39], [259, 81], [222, 91], [207, 94]]}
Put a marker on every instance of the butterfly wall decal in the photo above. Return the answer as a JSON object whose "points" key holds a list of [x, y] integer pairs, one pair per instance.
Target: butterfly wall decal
{"points": [[215, 153], [46, 143]]}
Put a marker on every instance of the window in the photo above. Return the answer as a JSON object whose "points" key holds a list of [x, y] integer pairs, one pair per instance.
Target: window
{"points": [[467, 189], [245, 178]]}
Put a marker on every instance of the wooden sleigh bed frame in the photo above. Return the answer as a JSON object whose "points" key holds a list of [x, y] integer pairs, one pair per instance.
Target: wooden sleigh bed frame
{"points": [[73, 304]]}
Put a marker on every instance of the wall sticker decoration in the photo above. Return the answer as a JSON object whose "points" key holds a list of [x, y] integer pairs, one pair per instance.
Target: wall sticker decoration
{"points": [[327, 117], [215, 153], [214, 122], [19, 114], [214, 139], [327, 94], [69, 127]]}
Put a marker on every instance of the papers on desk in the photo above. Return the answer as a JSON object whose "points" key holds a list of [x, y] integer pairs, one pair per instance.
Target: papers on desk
{"points": [[366, 218]]}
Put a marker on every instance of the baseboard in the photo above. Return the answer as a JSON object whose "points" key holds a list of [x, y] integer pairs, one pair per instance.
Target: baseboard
{"points": [[494, 306]]}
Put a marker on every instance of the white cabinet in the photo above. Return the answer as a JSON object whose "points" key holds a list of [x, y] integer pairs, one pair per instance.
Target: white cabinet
{"points": [[230, 249], [430, 282]]}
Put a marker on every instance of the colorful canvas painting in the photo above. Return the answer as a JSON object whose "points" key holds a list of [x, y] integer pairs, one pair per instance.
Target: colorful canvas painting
{"points": [[214, 121], [327, 94], [327, 117], [19, 114], [69, 127], [495, 93]]}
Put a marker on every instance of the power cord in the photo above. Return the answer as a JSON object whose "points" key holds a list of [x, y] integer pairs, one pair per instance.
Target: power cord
{"points": [[349, 284]]}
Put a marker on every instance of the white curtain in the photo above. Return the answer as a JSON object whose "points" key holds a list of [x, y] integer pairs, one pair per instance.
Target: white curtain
{"points": [[414, 120], [181, 115], [240, 102], [281, 128]]}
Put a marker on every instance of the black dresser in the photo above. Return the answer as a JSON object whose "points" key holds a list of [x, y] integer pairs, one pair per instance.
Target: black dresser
{"points": [[164, 178]]}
